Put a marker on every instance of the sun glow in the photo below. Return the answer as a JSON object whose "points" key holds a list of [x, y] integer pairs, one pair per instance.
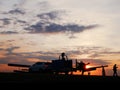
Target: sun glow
{"points": [[88, 66]]}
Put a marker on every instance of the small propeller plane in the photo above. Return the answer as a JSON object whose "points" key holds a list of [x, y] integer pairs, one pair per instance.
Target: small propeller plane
{"points": [[81, 66]]}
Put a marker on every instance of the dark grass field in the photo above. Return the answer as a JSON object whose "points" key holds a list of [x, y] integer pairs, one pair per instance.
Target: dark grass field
{"points": [[38, 79]]}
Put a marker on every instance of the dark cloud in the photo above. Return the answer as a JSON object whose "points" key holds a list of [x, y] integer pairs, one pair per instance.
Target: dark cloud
{"points": [[10, 40], [47, 24], [5, 21], [21, 21], [16, 11], [1, 49], [92, 52], [57, 28], [11, 56], [53, 15], [14, 59], [9, 32], [11, 49], [109, 52], [95, 55]]}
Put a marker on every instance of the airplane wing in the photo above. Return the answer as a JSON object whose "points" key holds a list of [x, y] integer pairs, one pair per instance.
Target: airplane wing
{"points": [[18, 65]]}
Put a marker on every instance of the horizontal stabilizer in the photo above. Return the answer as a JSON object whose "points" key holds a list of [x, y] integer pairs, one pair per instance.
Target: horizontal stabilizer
{"points": [[18, 65]]}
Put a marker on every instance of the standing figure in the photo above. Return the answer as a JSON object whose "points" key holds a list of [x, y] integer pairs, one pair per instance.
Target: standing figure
{"points": [[115, 70], [63, 56]]}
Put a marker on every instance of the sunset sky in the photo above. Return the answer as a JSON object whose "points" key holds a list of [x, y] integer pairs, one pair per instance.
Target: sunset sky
{"points": [[39, 30]]}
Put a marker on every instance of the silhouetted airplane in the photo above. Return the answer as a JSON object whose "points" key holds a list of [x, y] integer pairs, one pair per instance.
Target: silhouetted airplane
{"points": [[59, 65], [43, 67], [81, 66]]}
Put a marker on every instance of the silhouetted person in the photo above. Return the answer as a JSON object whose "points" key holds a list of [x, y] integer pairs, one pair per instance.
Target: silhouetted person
{"points": [[115, 70], [63, 56]]}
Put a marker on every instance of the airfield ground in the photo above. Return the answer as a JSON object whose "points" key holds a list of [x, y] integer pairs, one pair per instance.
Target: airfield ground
{"points": [[33, 80], [50, 78]]}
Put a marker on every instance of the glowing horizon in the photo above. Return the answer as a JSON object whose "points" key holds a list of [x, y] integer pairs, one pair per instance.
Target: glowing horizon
{"points": [[38, 30]]}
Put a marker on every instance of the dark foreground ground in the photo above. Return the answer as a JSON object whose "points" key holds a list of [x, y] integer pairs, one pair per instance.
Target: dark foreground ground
{"points": [[31, 79]]}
